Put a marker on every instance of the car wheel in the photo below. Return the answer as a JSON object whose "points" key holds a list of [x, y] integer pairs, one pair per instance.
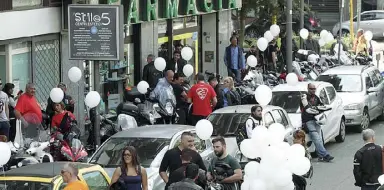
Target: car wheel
{"points": [[341, 137], [364, 121], [344, 32]]}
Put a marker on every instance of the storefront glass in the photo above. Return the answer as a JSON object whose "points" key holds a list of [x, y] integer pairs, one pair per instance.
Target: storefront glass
{"points": [[24, 3], [21, 62], [3, 68]]}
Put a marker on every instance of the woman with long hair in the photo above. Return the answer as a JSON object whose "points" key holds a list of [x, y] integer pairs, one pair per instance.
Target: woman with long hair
{"points": [[130, 175], [300, 181], [231, 96], [8, 89]]}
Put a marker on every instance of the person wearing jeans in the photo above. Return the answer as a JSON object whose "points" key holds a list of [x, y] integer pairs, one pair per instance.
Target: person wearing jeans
{"points": [[234, 59], [4, 115], [312, 127]]}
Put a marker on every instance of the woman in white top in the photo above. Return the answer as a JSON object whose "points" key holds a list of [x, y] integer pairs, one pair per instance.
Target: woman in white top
{"points": [[8, 89]]}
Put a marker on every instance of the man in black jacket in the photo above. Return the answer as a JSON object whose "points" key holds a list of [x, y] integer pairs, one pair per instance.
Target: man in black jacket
{"points": [[212, 80], [188, 183], [150, 73], [68, 102], [309, 121], [367, 163], [176, 64]]}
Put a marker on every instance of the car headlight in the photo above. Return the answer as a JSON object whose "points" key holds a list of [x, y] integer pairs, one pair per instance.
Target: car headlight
{"points": [[352, 107], [169, 108]]}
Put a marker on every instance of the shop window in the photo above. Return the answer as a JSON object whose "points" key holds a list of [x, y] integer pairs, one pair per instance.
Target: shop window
{"points": [[24, 3], [21, 59], [185, 22]]}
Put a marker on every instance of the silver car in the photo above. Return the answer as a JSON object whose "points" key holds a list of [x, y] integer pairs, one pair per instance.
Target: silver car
{"points": [[226, 121], [361, 87], [151, 143], [370, 20]]}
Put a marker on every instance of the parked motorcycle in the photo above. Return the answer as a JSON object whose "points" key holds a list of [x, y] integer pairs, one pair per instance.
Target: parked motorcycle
{"points": [[363, 59]]}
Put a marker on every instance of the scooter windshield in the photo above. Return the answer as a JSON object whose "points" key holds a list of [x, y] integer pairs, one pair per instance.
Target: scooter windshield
{"points": [[30, 130], [163, 93]]}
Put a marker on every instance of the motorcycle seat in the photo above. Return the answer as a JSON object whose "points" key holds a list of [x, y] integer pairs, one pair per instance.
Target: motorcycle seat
{"points": [[128, 107]]}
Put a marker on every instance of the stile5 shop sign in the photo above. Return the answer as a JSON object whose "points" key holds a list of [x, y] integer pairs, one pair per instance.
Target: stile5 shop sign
{"points": [[95, 32]]}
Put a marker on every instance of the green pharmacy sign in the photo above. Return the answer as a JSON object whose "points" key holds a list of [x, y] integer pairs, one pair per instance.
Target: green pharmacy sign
{"points": [[136, 11]]}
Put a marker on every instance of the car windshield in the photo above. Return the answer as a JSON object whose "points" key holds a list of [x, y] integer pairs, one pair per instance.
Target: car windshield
{"points": [[110, 154], [28, 185], [343, 83], [290, 101], [226, 124]]}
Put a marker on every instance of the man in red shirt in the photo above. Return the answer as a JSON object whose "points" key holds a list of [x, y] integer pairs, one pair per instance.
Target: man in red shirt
{"points": [[203, 97], [28, 111]]}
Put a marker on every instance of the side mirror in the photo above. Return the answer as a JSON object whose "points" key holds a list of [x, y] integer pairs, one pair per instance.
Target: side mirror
{"points": [[137, 100]]}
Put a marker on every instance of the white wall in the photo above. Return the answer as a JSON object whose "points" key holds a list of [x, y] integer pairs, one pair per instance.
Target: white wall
{"points": [[209, 40], [18, 24]]}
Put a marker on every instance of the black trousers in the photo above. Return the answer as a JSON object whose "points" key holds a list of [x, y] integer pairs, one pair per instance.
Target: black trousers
{"points": [[12, 130], [370, 187], [196, 118], [182, 116]]}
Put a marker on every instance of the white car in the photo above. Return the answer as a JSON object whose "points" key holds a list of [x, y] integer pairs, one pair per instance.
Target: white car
{"points": [[289, 97]]}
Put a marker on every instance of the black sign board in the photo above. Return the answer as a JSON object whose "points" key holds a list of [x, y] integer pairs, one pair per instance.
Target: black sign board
{"points": [[96, 32]]}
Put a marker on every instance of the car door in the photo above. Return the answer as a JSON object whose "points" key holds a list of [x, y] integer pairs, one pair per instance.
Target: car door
{"points": [[268, 119], [366, 21], [325, 100], [375, 95], [376, 25], [371, 96], [95, 180], [335, 113], [380, 88]]}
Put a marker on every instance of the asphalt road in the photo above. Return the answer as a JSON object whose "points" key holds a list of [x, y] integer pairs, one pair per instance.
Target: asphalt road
{"points": [[338, 175]]}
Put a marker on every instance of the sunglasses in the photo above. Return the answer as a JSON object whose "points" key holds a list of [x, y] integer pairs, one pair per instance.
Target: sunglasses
{"points": [[312, 88], [127, 155]]}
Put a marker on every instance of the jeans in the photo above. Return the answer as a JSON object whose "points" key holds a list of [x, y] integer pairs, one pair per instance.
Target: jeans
{"points": [[235, 74], [314, 133], [4, 128]]}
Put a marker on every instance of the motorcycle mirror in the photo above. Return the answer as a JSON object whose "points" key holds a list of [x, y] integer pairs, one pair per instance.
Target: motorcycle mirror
{"points": [[137, 100]]}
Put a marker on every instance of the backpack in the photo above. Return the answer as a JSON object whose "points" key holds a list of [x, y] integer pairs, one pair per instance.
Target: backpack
{"points": [[241, 132]]}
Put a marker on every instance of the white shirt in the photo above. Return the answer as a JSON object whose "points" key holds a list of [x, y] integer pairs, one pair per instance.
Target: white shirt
{"points": [[249, 125], [3, 103]]}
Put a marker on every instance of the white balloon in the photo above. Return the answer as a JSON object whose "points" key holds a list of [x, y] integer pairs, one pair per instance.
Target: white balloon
{"points": [[290, 186], [188, 70], [204, 129], [262, 44], [329, 38], [247, 149], [187, 53], [74, 74], [323, 34], [275, 30], [56, 95], [246, 185], [251, 170], [299, 165], [381, 179], [142, 87], [304, 33], [321, 42], [283, 146], [292, 79], [274, 157], [5, 153], [368, 35], [263, 95], [160, 64], [268, 35], [277, 131], [92, 99], [258, 184], [252, 61], [296, 150], [266, 171], [260, 136], [283, 178]]}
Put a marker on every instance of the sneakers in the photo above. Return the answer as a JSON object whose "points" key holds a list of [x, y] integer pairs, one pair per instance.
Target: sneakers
{"points": [[327, 158]]}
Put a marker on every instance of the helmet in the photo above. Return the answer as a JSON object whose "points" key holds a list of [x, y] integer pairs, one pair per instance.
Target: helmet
{"points": [[313, 58]]}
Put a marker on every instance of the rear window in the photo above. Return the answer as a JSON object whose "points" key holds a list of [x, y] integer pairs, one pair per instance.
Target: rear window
{"points": [[344, 82], [226, 124], [29, 185], [288, 100]]}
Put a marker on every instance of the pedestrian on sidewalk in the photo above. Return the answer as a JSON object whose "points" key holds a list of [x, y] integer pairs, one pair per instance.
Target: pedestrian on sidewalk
{"points": [[69, 174], [234, 59], [4, 115], [176, 64], [67, 100], [150, 73], [368, 163], [8, 89]]}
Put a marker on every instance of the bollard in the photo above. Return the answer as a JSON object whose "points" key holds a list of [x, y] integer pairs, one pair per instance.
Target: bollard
{"points": [[378, 59]]}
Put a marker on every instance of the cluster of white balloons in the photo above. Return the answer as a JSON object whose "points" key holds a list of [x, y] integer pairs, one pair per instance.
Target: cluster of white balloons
{"points": [[262, 43], [325, 37], [92, 99], [368, 35], [204, 129], [279, 160], [160, 65], [5, 150]]}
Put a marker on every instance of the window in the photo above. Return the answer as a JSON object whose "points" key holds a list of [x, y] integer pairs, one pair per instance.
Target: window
{"points": [[277, 117], [24, 3], [96, 181], [379, 16], [225, 124], [199, 144], [343, 82], [378, 75], [284, 119], [368, 82], [374, 78], [288, 100], [268, 119], [367, 16], [323, 97], [25, 185], [331, 93]]}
